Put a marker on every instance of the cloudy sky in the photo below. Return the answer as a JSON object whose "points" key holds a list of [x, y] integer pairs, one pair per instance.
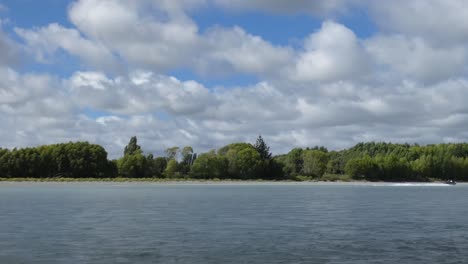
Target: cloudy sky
{"points": [[210, 72]]}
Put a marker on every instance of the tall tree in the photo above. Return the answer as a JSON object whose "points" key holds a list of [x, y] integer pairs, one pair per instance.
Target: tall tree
{"points": [[262, 149], [171, 153], [133, 166], [187, 155], [314, 163], [294, 161], [171, 169], [209, 165], [132, 147]]}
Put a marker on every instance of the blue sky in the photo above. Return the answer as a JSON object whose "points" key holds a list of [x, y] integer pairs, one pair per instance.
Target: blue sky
{"points": [[210, 72], [286, 30]]}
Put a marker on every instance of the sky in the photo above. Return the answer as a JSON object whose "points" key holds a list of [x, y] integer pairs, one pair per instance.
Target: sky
{"points": [[207, 73]]}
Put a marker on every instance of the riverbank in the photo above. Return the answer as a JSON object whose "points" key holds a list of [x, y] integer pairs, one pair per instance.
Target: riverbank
{"points": [[195, 181], [325, 178], [147, 180]]}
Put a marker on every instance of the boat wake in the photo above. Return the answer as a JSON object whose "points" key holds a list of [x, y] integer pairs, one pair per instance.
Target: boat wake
{"points": [[419, 184]]}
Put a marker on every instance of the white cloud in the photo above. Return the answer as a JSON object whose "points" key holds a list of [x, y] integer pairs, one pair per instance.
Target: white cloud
{"points": [[38, 109], [141, 92], [443, 22], [332, 53], [404, 84], [234, 49], [415, 58], [31, 106], [93, 80], [46, 41], [159, 41], [289, 7], [8, 50]]}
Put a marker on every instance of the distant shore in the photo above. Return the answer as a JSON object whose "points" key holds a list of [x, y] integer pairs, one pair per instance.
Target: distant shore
{"points": [[149, 180], [190, 181]]}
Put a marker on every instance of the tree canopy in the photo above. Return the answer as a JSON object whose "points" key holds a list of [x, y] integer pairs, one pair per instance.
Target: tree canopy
{"points": [[132, 148], [372, 161]]}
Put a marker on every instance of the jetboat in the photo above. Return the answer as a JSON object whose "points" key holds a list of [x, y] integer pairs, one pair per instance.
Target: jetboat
{"points": [[450, 182]]}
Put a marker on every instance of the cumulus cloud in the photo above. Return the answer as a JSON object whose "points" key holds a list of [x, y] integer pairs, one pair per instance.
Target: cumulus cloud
{"points": [[415, 58], [332, 53], [107, 31], [286, 7], [161, 40], [163, 111], [141, 92], [30, 104], [44, 42], [235, 49], [443, 22], [406, 83], [8, 50]]}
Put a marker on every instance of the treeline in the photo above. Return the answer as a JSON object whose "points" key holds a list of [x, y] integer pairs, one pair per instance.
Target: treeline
{"points": [[381, 162], [77, 160], [234, 161], [365, 161]]}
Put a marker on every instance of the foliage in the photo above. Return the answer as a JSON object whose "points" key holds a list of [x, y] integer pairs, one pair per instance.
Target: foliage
{"points": [[370, 161], [171, 169], [314, 162], [209, 165], [77, 160], [132, 148], [244, 162], [158, 167], [171, 153], [295, 161], [188, 158], [262, 148], [362, 168], [132, 166]]}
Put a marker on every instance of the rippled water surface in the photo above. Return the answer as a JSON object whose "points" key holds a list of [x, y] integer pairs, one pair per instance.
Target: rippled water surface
{"points": [[233, 223]]}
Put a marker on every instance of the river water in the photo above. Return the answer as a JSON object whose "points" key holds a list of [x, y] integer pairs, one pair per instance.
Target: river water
{"points": [[233, 223]]}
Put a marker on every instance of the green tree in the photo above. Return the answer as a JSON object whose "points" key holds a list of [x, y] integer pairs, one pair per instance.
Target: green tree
{"points": [[133, 166], [244, 163], [132, 147], [159, 166], [334, 166], [209, 165], [362, 168], [171, 169], [233, 146], [314, 163], [187, 155], [262, 148], [171, 153], [393, 168], [292, 162]]}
